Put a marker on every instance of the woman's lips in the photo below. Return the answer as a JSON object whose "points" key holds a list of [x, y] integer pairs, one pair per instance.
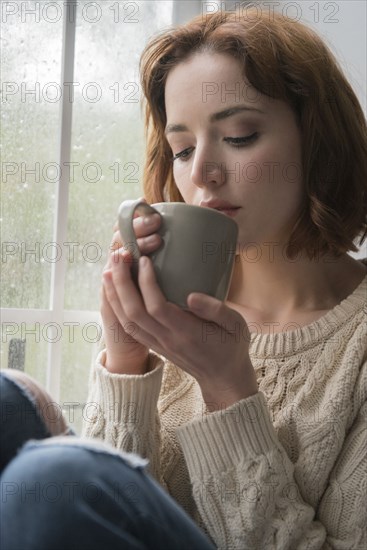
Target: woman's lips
{"points": [[228, 211], [221, 206]]}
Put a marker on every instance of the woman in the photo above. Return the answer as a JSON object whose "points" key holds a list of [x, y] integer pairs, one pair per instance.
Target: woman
{"points": [[258, 430]]}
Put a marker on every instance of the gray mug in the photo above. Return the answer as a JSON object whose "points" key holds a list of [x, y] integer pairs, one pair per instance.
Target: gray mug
{"points": [[197, 253]]}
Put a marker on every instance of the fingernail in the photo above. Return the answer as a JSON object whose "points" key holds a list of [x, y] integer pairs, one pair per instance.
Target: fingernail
{"points": [[194, 302], [120, 254], [150, 220]]}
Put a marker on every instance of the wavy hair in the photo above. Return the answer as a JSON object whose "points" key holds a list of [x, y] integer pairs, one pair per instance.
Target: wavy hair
{"points": [[285, 60]]}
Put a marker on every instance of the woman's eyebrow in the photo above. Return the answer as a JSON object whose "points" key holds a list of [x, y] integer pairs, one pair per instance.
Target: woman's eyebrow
{"points": [[220, 115], [233, 111]]}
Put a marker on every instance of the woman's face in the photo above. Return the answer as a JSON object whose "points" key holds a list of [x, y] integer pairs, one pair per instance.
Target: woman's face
{"points": [[234, 149]]}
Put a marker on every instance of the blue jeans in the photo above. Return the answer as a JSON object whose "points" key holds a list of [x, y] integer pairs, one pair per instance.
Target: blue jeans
{"points": [[65, 493]]}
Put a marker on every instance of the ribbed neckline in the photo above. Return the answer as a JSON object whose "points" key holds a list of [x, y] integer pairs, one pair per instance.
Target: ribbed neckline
{"points": [[290, 342]]}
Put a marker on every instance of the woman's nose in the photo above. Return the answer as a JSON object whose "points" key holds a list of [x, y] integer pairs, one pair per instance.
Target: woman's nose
{"points": [[206, 171]]}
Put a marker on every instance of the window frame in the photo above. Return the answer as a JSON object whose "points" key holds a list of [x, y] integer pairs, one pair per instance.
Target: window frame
{"points": [[57, 316]]}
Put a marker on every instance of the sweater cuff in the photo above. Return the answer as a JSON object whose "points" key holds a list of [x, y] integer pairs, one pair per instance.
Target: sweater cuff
{"points": [[228, 437], [129, 397]]}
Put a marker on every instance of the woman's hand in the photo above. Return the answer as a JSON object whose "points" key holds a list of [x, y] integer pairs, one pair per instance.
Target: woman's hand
{"points": [[210, 341], [125, 355]]}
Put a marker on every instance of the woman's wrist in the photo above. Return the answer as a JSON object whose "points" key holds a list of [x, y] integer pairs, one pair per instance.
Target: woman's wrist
{"points": [[222, 395], [127, 365]]}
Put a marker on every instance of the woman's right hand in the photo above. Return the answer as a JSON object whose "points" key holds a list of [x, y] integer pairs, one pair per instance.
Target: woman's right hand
{"points": [[124, 355]]}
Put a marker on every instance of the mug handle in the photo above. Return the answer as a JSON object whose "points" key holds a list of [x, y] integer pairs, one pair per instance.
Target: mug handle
{"points": [[125, 218]]}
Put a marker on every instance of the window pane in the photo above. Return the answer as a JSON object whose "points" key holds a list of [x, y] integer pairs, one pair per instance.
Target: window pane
{"points": [[36, 338], [29, 134], [107, 137], [78, 349]]}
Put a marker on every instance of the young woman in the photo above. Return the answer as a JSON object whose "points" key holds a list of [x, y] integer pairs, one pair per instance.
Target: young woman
{"points": [[257, 427]]}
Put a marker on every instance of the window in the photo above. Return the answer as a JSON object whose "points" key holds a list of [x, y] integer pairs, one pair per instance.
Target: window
{"points": [[72, 138]]}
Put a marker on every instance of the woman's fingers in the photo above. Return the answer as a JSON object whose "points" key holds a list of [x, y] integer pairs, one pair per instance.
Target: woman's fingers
{"points": [[116, 241], [155, 303], [149, 244], [145, 228], [127, 293], [111, 310], [146, 306], [106, 310], [227, 320], [114, 310], [145, 225], [169, 317]]}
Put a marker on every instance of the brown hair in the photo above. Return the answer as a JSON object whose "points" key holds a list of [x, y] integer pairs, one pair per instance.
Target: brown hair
{"points": [[285, 60]]}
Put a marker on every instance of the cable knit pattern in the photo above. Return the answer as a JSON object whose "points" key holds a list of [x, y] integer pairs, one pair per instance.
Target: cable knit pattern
{"points": [[124, 413], [283, 469]]}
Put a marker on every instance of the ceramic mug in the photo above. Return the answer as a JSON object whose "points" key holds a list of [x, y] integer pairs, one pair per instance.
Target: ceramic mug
{"points": [[198, 249]]}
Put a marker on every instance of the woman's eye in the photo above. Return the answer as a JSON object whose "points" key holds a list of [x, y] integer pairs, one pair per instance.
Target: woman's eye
{"points": [[182, 154], [234, 141], [241, 141]]}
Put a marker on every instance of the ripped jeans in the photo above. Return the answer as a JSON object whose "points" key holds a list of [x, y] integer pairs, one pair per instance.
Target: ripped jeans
{"points": [[66, 493]]}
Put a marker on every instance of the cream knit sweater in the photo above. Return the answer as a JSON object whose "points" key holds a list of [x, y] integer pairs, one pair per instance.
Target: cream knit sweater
{"points": [[283, 469]]}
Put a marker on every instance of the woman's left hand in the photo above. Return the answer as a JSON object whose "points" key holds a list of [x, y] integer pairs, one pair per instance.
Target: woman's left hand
{"points": [[210, 341]]}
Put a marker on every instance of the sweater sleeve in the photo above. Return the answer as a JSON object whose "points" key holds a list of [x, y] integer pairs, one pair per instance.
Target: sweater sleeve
{"points": [[244, 486], [122, 410]]}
